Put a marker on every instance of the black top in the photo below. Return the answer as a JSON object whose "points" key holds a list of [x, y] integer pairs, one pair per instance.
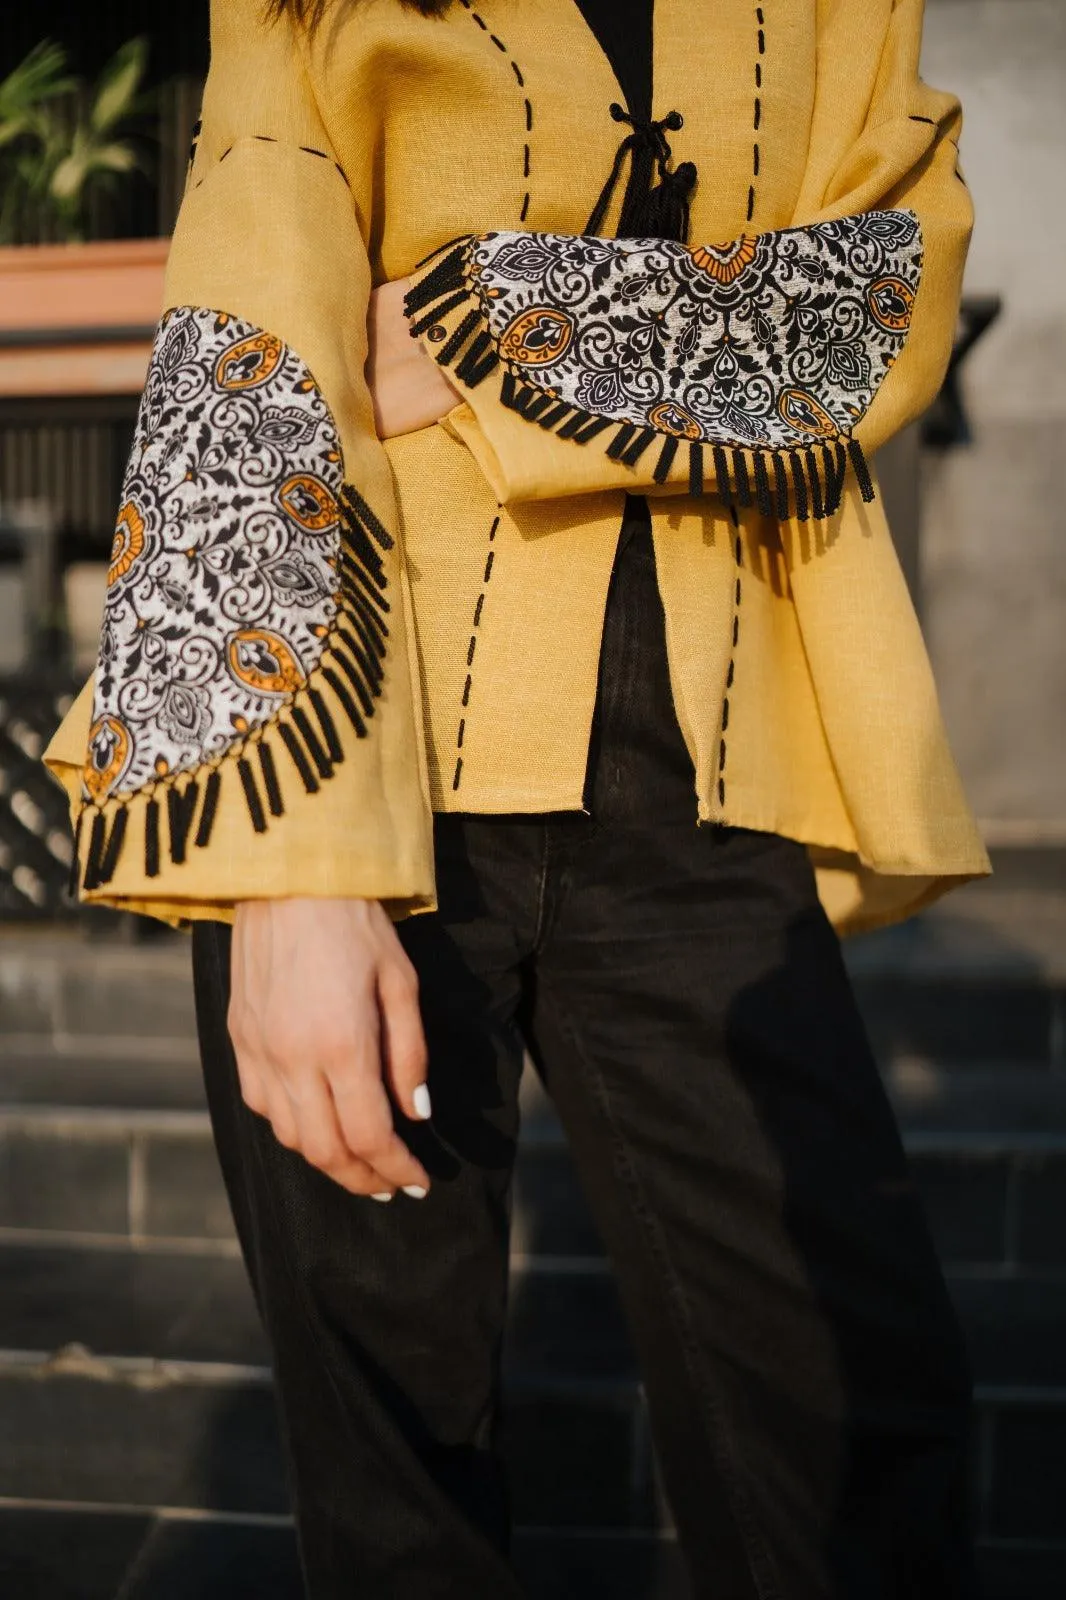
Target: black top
{"points": [[624, 30]]}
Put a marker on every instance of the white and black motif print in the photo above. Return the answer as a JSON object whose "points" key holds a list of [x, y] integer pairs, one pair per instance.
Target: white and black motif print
{"points": [[774, 342], [223, 582]]}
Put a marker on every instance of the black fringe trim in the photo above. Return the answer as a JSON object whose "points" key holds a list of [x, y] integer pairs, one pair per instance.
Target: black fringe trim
{"points": [[805, 480], [351, 666]]}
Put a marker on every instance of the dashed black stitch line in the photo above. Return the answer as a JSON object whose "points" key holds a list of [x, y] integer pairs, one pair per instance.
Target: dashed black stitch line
{"points": [[265, 138], [738, 556], [527, 165], [757, 155], [472, 651], [311, 151]]}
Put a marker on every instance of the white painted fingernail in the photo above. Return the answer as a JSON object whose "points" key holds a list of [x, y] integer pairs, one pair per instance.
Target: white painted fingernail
{"points": [[422, 1103], [382, 1199], [415, 1190]]}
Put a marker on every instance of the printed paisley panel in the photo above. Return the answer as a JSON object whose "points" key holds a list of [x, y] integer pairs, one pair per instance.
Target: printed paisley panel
{"points": [[775, 341], [223, 578]]}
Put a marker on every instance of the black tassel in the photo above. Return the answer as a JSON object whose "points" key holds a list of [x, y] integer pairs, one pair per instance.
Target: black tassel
{"points": [[447, 275], [363, 583], [740, 471], [270, 778], [509, 391], [95, 854], [181, 808], [350, 711], [781, 485], [817, 502], [666, 459], [436, 313], [588, 433], [328, 726], [572, 427], [862, 471], [299, 759], [74, 875], [763, 497], [251, 796], [312, 741], [479, 361], [368, 665], [209, 809], [367, 516], [113, 852], [374, 651], [551, 420], [151, 838], [840, 473], [448, 352], [538, 406], [355, 678], [695, 470], [644, 438], [618, 445], [528, 397], [799, 483], [721, 473]]}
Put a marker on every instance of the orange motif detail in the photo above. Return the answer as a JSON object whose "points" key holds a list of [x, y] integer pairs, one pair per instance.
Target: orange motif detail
{"points": [[127, 543], [248, 363], [725, 262], [109, 750], [263, 661], [672, 418], [801, 410], [891, 302], [308, 502], [537, 337]]}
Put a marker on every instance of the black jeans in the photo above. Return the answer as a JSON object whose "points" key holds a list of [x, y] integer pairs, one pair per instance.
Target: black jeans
{"points": [[685, 1001]]}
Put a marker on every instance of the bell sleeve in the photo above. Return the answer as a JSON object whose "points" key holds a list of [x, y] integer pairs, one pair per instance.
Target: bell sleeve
{"points": [[253, 730], [765, 369]]}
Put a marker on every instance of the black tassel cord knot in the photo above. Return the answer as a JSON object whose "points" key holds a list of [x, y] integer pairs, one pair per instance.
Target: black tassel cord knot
{"points": [[649, 210]]}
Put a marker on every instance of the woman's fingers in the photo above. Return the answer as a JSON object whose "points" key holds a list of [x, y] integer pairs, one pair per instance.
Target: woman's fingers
{"points": [[364, 1117], [321, 1142], [403, 1040]]}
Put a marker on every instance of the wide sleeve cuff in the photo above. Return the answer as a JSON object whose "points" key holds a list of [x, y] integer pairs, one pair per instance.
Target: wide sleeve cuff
{"points": [[744, 370]]}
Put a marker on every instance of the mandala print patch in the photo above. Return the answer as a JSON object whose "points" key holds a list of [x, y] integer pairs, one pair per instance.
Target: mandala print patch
{"points": [[761, 355], [223, 583], [770, 342]]}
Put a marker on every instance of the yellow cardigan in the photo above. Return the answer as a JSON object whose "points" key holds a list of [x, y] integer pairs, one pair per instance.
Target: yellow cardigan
{"points": [[312, 640]]}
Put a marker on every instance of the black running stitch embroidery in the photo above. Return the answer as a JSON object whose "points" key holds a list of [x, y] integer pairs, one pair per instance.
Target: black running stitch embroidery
{"points": [[472, 651], [757, 160], [527, 164], [738, 557]]}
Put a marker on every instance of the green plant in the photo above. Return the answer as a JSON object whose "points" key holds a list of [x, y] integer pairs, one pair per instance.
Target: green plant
{"points": [[62, 142]]}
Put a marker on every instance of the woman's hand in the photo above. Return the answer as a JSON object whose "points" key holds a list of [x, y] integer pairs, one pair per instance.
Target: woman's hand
{"points": [[323, 1013], [409, 390]]}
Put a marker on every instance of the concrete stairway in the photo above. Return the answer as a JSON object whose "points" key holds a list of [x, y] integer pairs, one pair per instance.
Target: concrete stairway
{"points": [[139, 1456]]}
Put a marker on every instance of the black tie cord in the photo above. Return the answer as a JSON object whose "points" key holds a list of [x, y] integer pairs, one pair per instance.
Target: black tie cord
{"points": [[650, 210]]}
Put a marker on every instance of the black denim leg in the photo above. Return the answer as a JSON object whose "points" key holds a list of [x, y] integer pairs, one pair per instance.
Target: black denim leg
{"points": [[385, 1321]]}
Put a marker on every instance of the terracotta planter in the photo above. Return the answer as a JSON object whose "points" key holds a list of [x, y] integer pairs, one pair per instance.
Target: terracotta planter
{"points": [[78, 319]]}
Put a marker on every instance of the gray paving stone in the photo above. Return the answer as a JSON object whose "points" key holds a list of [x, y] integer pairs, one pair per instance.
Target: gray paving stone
{"points": [[217, 1561], [1013, 1572], [184, 1194], [1028, 1490], [1041, 1219], [567, 1325], [1015, 1328], [130, 1304], [965, 1198], [958, 1020], [150, 1080], [140, 1443], [551, 1216], [49, 1179], [65, 1554]]}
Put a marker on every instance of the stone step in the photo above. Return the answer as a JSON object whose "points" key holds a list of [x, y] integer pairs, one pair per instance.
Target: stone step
{"points": [[82, 1553], [99, 1553], [995, 1195]]}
